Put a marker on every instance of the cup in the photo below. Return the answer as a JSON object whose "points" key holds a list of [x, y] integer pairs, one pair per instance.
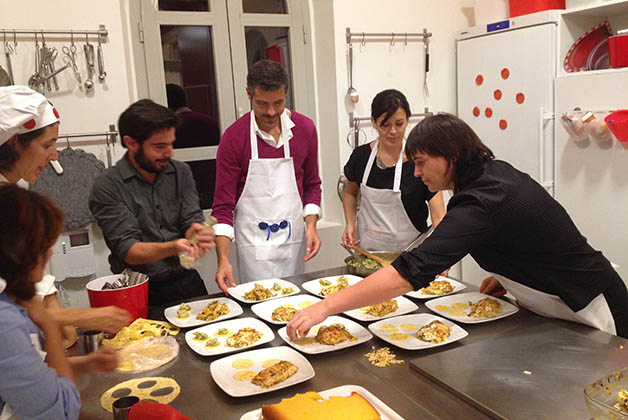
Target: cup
{"points": [[92, 340], [122, 406]]}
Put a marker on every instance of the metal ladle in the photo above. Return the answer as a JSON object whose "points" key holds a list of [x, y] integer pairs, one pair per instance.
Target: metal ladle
{"points": [[352, 92]]}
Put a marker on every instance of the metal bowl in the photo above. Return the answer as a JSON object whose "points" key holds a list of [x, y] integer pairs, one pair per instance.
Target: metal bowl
{"points": [[363, 271]]}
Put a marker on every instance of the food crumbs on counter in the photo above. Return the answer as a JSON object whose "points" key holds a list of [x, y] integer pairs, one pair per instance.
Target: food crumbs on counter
{"points": [[527, 372], [382, 357]]}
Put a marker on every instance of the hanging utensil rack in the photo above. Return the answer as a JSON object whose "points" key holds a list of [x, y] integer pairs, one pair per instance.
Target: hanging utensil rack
{"points": [[110, 138], [355, 123], [101, 32]]}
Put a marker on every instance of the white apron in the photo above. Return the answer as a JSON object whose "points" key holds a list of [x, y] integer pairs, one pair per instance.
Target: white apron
{"points": [[268, 218], [383, 224], [596, 314]]}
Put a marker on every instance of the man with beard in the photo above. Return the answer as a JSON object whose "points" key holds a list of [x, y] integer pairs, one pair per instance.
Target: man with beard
{"points": [[268, 191], [148, 208]]}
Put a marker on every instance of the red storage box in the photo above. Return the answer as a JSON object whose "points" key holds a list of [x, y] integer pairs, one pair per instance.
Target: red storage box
{"points": [[523, 7]]}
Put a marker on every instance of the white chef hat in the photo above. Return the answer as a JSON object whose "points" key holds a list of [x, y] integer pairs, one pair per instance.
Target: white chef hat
{"points": [[23, 110]]}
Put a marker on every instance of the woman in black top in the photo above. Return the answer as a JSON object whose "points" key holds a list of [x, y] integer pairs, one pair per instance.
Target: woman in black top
{"points": [[508, 223], [393, 209]]}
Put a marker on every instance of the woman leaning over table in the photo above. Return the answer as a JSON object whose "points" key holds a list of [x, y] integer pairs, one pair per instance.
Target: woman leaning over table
{"points": [[393, 209], [29, 127], [508, 223], [37, 377]]}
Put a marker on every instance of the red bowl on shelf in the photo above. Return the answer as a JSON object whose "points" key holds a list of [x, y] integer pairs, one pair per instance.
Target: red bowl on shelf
{"points": [[618, 124]]}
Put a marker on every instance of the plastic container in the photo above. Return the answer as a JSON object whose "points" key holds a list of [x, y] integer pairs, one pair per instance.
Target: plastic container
{"points": [[601, 396], [618, 124], [133, 298], [524, 7], [489, 11], [618, 51]]}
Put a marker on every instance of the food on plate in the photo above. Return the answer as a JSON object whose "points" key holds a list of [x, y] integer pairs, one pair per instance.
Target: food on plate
{"points": [[305, 341], [244, 337], [275, 374], [284, 313], [183, 311], [456, 309], [330, 290], [212, 342], [399, 336], [434, 332], [147, 354], [259, 292], [199, 336], [485, 308], [438, 287], [334, 334], [242, 363], [324, 282], [244, 375], [383, 308], [343, 280], [305, 304], [276, 287], [287, 290], [139, 330], [364, 262], [222, 332], [388, 329], [312, 406], [382, 357], [622, 401], [408, 327], [212, 311], [270, 362]]}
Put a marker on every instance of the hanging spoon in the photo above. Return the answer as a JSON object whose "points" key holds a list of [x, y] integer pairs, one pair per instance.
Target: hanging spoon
{"points": [[352, 92]]}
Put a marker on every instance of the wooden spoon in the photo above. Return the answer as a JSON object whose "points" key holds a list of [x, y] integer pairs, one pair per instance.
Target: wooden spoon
{"points": [[384, 262]]}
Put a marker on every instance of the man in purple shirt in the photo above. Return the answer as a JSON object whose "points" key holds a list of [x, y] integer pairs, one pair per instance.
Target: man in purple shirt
{"points": [[268, 191]]}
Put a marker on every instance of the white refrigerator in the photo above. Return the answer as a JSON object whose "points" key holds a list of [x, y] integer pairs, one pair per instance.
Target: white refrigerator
{"points": [[509, 93]]}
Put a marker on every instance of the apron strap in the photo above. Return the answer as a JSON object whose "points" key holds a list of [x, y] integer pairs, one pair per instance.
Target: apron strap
{"points": [[398, 166], [253, 137]]}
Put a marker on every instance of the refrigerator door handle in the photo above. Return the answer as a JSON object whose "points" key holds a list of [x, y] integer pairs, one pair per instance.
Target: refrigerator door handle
{"points": [[542, 118]]}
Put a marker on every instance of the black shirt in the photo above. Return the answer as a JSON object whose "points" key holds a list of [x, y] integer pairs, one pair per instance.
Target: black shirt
{"points": [[414, 193], [511, 226]]}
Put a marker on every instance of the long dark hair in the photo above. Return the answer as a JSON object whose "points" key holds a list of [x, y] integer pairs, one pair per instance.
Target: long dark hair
{"points": [[29, 226], [389, 101], [448, 136]]}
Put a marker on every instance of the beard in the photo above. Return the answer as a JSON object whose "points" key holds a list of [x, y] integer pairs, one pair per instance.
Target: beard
{"points": [[146, 164]]}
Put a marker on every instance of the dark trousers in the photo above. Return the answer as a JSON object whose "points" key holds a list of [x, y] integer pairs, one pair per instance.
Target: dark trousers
{"points": [[175, 288]]}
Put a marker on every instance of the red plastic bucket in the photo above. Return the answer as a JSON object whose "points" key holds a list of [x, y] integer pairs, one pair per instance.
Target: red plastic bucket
{"points": [[134, 298], [617, 122], [618, 51], [523, 7]]}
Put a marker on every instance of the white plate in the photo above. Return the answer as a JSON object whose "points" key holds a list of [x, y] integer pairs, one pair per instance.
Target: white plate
{"points": [[419, 320], [171, 312], [405, 306], [353, 327], [418, 294], [314, 287], [222, 371], [239, 291], [265, 309], [507, 308], [385, 411], [233, 326]]}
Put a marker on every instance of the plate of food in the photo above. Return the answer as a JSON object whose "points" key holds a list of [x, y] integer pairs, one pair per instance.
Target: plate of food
{"points": [[201, 312], [261, 290], [386, 309], [350, 399], [471, 308], [259, 371], [335, 333], [440, 286], [229, 336], [418, 331], [326, 286], [280, 311]]}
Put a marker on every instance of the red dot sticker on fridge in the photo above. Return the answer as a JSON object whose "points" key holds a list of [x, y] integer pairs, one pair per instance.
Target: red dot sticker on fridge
{"points": [[488, 112], [503, 124], [520, 98], [476, 111], [505, 73], [497, 94], [479, 79]]}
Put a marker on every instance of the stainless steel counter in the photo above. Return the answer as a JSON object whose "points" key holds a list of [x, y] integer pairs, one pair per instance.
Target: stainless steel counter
{"points": [[414, 392]]}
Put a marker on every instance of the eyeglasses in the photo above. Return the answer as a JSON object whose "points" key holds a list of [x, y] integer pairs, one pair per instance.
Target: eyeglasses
{"points": [[275, 227]]}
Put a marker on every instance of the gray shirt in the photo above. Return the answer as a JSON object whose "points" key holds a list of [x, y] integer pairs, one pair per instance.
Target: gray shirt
{"points": [[130, 209]]}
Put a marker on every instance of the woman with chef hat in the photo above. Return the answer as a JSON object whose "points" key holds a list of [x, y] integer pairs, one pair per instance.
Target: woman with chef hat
{"points": [[29, 127], [32, 388]]}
